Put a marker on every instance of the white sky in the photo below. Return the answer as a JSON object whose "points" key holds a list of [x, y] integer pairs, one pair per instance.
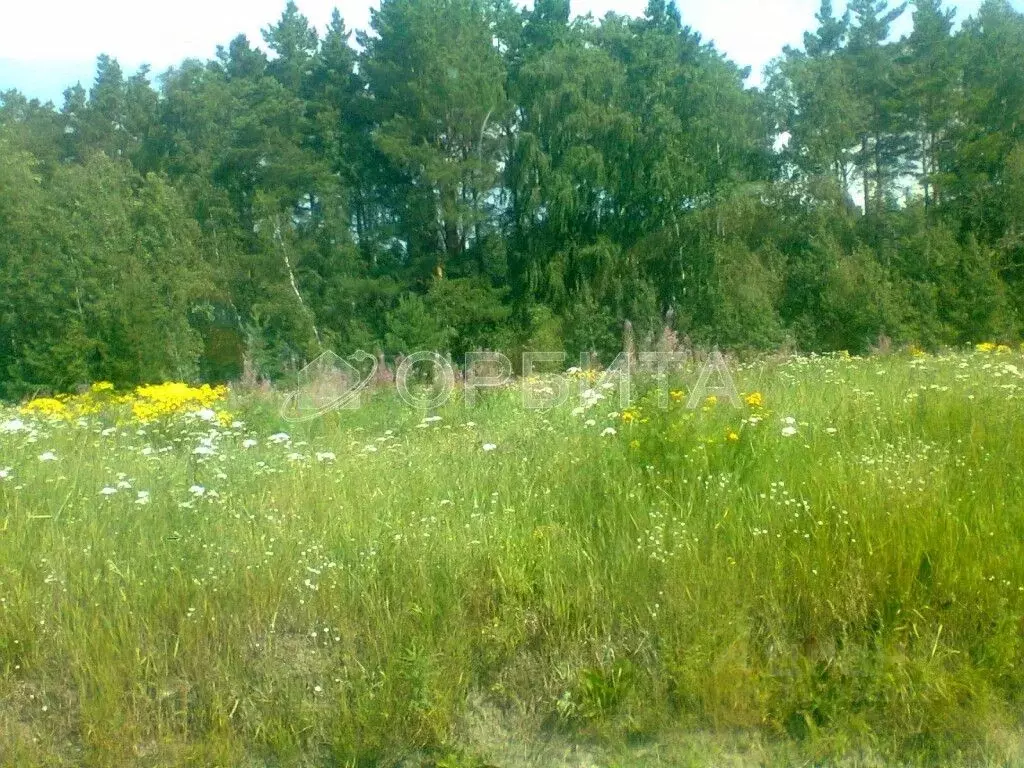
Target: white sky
{"points": [[46, 45]]}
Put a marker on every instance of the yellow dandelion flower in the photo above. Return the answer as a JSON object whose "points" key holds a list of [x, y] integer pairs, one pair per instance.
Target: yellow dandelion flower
{"points": [[755, 400]]}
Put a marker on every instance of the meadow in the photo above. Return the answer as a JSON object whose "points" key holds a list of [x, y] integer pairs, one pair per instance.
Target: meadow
{"points": [[832, 573]]}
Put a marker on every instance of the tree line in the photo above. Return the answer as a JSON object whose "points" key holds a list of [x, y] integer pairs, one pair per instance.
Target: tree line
{"points": [[466, 174]]}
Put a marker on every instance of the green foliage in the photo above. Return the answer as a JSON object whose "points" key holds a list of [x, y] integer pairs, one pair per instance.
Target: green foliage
{"points": [[375, 588], [472, 162]]}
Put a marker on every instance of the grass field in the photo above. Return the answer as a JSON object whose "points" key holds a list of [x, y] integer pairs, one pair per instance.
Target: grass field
{"points": [[832, 576]]}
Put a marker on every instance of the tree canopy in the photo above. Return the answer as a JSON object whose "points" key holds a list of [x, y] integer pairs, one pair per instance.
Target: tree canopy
{"points": [[466, 174]]}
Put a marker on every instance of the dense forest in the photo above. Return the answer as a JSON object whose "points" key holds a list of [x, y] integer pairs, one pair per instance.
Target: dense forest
{"points": [[467, 174]]}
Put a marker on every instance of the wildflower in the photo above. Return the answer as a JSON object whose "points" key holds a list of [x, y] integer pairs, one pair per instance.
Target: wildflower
{"points": [[142, 497], [608, 432], [985, 347], [250, 443], [48, 456], [589, 423], [755, 400], [279, 437], [156, 401], [634, 445], [676, 395], [108, 491], [45, 406], [732, 437], [489, 447], [711, 401], [206, 414], [788, 431], [630, 415], [204, 450], [5, 473], [831, 430], [1002, 349], [12, 425], [325, 456], [99, 387], [197, 490]]}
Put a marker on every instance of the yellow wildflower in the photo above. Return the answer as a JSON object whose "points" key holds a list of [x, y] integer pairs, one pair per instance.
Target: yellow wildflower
{"points": [[154, 401], [755, 399], [45, 406]]}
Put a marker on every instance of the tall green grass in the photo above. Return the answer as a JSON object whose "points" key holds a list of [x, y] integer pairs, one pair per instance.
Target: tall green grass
{"points": [[850, 593]]}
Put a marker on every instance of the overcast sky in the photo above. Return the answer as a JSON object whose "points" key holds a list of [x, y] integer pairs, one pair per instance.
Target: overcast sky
{"points": [[46, 45]]}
